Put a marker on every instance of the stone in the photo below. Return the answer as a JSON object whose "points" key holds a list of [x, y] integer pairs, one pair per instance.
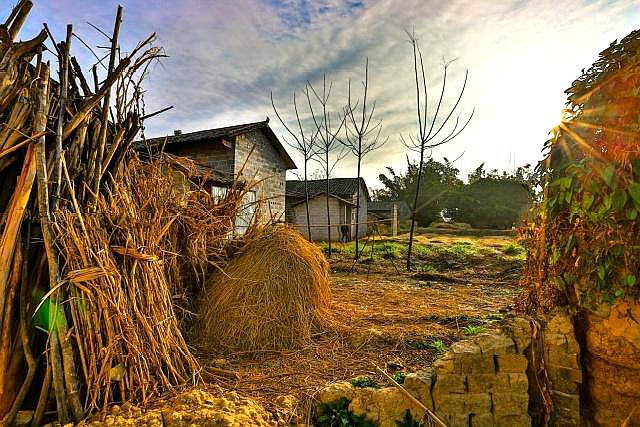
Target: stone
{"points": [[562, 358], [510, 403], [482, 383], [449, 383], [564, 379], [456, 420], [482, 420], [419, 385], [391, 406], [445, 364], [568, 402], [523, 420], [335, 391], [474, 364], [520, 329], [515, 363], [518, 383], [463, 403], [560, 323], [465, 347], [495, 344]]}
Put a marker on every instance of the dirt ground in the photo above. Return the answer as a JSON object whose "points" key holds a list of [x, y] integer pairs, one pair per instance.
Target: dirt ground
{"points": [[385, 317]]}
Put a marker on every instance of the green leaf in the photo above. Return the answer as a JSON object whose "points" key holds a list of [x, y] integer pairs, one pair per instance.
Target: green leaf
{"points": [[587, 201], [634, 192], [619, 200], [619, 293], [608, 174], [602, 272], [630, 280], [632, 214]]}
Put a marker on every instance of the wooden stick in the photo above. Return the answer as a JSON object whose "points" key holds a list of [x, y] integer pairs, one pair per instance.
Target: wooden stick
{"points": [[102, 141], [64, 85]]}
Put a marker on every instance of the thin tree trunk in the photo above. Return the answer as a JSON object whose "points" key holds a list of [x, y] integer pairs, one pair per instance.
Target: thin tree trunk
{"points": [[358, 208], [413, 211], [328, 209], [306, 200]]}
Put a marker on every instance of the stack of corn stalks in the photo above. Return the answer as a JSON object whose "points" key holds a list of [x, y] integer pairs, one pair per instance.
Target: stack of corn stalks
{"points": [[90, 234]]}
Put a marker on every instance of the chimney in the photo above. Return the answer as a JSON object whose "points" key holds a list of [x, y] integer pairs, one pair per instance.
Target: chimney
{"points": [[177, 132]]}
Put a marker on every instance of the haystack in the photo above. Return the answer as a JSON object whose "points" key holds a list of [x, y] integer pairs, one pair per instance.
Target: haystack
{"points": [[274, 295]]}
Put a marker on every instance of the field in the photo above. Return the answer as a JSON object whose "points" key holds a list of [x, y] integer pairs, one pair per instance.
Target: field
{"points": [[384, 317]]}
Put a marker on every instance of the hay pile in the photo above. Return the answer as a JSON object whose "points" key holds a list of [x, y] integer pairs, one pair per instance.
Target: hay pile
{"points": [[273, 296]]}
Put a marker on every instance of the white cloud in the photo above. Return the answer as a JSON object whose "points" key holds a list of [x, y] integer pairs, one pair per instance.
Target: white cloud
{"points": [[225, 57]]}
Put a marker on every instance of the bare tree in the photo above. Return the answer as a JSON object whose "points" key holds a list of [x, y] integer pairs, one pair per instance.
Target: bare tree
{"points": [[361, 136], [329, 149], [429, 131], [305, 144]]}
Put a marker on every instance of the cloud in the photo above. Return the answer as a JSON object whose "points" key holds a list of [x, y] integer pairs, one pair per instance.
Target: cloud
{"points": [[225, 58]]}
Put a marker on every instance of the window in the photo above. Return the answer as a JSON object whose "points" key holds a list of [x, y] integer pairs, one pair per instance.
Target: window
{"points": [[218, 193], [247, 213]]}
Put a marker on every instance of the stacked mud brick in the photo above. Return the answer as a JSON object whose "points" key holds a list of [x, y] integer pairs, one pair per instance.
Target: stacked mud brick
{"points": [[482, 382], [562, 362]]}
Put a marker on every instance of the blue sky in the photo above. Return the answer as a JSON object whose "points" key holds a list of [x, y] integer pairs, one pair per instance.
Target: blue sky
{"points": [[225, 57]]}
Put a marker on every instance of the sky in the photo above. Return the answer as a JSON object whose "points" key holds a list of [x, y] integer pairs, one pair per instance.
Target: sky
{"points": [[225, 57]]}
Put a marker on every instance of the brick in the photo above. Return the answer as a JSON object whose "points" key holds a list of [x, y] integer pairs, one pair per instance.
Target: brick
{"points": [[562, 358], [515, 363], [482, 420], [523, 420], [518, 383], [565, 379], [510, 403], [463, 403], [445, 364], [569, 402], [419, 385], [449, 384], [474, 364], [480, 383], [465, 347], [455, 420], [495, 344]]}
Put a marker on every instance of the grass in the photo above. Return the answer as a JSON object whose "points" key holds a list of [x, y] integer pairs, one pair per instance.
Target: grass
{"points": [[472, 330], [426, 268], [364, 381], [438, 346], [514, 250], [399, 377]]}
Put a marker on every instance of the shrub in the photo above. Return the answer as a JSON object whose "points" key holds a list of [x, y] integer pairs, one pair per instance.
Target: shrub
{"points": [[364, 381], [337, 414]]}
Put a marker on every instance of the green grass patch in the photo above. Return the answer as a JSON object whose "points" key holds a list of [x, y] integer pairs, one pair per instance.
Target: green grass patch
{"points": [[363, 381], [337, 414], [426, 268], [472, 330], [514, 250], [438, 347], [399, 377]]}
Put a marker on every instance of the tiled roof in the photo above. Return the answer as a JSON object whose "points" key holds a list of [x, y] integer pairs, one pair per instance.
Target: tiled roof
{"points": [[343, 187], [225, 132]]}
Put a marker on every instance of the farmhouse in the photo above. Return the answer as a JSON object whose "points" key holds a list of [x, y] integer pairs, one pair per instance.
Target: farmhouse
{"points": [[250, 152], [343, 196]]}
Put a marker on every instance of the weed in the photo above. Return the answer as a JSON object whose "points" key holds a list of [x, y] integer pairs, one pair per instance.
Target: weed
{"points": [[364, 381], [472, 329], [438, 346], [399, 377], [426, 268], [337, 413], [514, 249]]}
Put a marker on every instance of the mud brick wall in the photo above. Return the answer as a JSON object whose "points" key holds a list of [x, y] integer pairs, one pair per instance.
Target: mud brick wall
{"points": [[562, 363], [481, 382]]}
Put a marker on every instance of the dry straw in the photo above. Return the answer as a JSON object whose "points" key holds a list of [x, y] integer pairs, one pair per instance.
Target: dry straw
{"points": [[273, 296]]}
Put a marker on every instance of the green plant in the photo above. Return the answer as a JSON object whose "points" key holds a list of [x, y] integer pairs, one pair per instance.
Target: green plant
{"points": [[408, 420], [494, 316], [337, 414], [438, 346], [514, 249], [399, 377], [472, 329], [363, 381], [426, 268]]}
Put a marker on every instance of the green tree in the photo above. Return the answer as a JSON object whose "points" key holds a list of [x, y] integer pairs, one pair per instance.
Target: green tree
{"points": [[493, 199], [439, 186]]}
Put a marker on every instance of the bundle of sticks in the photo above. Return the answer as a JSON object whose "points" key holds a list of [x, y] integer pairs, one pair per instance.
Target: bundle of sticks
{"points": [[89, 244]]}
